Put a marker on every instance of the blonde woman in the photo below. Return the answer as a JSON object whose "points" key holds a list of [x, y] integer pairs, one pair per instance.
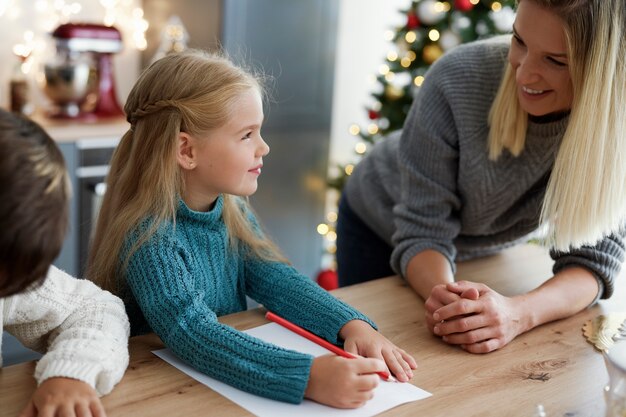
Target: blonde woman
{"points": [[176, 241], [504, 137], [82, 330]]}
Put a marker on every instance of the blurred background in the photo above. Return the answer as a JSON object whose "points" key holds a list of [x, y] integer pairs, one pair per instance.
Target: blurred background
{"points": [[344, 74]]}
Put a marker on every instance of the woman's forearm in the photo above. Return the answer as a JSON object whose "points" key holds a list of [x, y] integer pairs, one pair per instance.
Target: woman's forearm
{"points": [[426, 270], [565, 294]]}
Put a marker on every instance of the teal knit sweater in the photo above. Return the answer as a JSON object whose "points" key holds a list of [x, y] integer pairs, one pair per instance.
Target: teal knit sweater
{"points": [[186, 276]]}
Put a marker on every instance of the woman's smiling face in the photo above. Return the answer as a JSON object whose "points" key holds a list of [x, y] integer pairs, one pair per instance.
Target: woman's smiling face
{"points": [[539, 58]]}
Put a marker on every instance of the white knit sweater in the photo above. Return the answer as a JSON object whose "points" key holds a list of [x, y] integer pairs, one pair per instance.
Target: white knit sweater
{"points": [[83, 330]]}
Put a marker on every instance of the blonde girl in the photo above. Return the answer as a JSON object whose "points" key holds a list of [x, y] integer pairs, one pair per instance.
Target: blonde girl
{"points": [[182, 247], [506, 136]]}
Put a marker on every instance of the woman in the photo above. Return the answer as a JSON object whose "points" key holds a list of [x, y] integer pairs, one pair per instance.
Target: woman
{"points": [[486, 158]]}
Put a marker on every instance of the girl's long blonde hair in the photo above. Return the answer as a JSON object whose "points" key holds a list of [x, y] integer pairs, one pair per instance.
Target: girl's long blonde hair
{"points": [[191, 92], [586, 195]]}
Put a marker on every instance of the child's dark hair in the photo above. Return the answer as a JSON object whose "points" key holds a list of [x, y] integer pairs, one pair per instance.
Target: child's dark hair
{"points": [[34, 194]]}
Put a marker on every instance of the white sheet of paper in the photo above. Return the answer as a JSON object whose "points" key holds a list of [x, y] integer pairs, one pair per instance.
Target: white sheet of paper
{"points": [[386, 396]]}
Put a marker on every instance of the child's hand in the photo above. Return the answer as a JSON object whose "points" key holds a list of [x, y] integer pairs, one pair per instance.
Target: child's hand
{"points": [[65, 397], [361, 339], [341, 382]]}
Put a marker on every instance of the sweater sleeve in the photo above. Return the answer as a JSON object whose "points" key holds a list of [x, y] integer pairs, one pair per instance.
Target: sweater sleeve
{"points": [[286, 292], [604, 260], [82, 328], [426, 216], [171, 300]]}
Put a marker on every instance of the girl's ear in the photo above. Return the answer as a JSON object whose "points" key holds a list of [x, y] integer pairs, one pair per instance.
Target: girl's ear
{"points": [[186, 152]]}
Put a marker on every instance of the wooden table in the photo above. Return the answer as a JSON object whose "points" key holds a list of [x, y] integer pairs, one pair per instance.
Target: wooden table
{"points": [[551, 365]]}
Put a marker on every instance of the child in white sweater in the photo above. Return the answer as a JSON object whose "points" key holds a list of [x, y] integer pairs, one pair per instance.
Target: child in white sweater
{"points": [[83, 329]]}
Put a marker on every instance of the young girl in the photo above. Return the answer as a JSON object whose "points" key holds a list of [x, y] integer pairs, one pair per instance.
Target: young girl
{"points": [[176, 241], [504, 137], [84, 329]]}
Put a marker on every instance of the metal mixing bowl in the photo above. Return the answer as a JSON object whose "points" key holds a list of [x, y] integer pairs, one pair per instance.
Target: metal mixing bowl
{"points": [[71, 86]]}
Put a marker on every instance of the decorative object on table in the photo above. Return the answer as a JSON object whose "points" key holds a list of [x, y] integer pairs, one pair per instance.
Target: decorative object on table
{"points": [[540, 411], [327, 279], [615, 390], [174, 38], [604, 330], [80, 82], [20, 96]]}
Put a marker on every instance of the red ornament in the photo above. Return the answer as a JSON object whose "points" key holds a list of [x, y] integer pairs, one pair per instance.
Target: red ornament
{"points": [[327, 279], [463, 5], [372, 114], [412, 21]]}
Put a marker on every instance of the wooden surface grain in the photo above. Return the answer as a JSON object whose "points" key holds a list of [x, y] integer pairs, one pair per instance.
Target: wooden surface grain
{"points": [[551, 365]]}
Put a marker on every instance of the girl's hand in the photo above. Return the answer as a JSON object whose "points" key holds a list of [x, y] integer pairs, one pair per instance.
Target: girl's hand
{"points": [[341, 382], [361, 339], [64, 397], [481, 320]]}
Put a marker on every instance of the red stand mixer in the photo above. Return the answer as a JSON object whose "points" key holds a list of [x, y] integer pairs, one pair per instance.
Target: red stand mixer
{"points": [[80, 82]]}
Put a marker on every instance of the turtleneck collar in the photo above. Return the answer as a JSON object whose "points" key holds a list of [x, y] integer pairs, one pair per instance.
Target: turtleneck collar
{"points": [[211, 216], [550, 125], [548, 118]]}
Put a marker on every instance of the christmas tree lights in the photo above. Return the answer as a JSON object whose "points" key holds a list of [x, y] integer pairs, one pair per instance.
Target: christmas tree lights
{"points": [[430, 29]]}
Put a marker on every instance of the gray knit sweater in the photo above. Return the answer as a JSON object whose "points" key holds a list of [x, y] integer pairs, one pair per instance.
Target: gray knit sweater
{"points": [[432, 186]]}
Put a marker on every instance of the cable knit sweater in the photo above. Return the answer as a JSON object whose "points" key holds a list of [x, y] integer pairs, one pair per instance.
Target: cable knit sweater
{"points": [[434, 186], [83, 330], [186, 276]]}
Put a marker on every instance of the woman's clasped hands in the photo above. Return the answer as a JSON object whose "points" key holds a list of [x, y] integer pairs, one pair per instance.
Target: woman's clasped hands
{"points": [[474, 316]]}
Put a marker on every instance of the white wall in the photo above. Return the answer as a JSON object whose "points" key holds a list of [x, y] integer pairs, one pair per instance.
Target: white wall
{"points": [[361, 49], [39, 16]]}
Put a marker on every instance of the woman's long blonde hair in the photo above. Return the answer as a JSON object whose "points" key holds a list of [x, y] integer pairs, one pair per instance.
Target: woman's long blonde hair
{"points": [[191, 92], [586, 195]]}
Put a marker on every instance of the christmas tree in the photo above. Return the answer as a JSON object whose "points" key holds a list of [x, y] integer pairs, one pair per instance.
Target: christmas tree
{"points": [[431, 28], [174, 38]]}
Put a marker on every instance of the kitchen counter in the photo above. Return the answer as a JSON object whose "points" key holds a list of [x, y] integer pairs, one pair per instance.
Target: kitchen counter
{"points": [[68, 130]]}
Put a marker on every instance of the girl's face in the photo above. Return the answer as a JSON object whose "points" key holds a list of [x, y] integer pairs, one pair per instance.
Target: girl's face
{"points": [[228, 159], [538, 55]]}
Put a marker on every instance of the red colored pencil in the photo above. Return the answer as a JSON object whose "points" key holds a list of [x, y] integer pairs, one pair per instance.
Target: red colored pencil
{"points": [[318, 340]]}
